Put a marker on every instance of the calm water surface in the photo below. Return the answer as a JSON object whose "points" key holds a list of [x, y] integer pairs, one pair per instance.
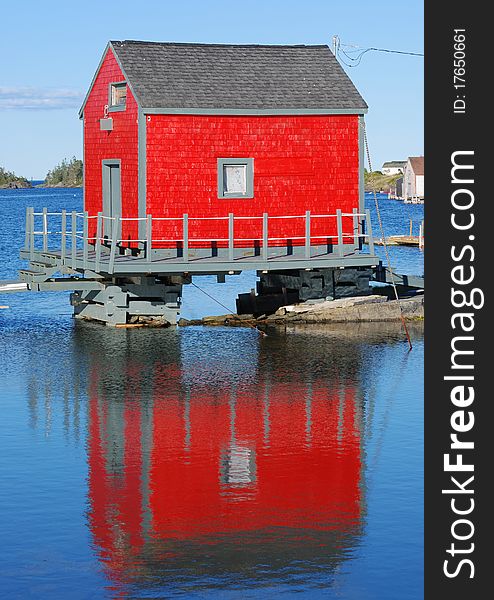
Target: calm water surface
{"points": [[202, 463]]}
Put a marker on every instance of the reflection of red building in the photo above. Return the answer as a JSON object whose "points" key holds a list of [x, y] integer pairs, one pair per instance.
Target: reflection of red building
{"points": [[267, 465]]}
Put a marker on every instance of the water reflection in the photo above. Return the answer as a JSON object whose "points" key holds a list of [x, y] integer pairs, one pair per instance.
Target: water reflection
{"points": [[220, 458]]}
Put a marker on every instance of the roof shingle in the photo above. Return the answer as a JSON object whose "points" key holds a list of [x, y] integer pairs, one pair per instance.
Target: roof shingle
{"points": [[214, 76], [417, 163]]}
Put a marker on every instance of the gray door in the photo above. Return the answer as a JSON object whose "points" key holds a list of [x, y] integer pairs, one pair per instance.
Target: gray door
{"points": [[112, 199]]}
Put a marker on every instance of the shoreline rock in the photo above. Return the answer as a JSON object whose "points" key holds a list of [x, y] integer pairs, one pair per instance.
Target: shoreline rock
{"points": [[363, 309], [58, 185], [15, 185]]}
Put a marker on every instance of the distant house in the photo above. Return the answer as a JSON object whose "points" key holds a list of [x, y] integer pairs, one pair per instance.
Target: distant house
{"points": [[413, 178], [393, 167], [396, 191]]}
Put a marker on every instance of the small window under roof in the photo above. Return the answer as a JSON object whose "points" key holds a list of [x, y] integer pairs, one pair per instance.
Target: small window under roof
{"points": [[117, 96]]}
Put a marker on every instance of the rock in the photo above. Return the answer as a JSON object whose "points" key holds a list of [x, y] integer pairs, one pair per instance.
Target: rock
{"points": [[366, 311], [216, 319], [189, 322], [16, 185], [357, 309], [150, 321]]}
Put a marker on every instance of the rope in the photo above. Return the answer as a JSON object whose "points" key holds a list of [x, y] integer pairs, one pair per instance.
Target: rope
{"points": [[383, 237], [226, 308]]}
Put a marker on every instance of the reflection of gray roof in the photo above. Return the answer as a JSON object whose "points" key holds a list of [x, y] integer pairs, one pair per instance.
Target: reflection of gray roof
{"points": [[206, 76]]}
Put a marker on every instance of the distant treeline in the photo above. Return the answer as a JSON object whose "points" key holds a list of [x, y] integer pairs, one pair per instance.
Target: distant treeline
{"points": [[375, 181], [11, 180], [67, 174]]}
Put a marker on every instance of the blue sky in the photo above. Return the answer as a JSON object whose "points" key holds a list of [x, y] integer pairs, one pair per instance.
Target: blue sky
{"points": [[50, 49]]}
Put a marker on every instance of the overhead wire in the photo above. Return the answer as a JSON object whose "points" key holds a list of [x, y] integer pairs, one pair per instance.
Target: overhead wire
{"points": [[356, 60], [385, 245]]}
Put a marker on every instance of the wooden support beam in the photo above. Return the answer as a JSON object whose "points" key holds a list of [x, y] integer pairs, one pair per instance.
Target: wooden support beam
{"points": [[73, 239], [355, 229], [85, 235], [265, 239], [30, 219], [149, 236], [368, 228], [307, 234], [45, 230], [99, 222], [26, 231], [33, 240], [185, 235], [64, 235], [231, 237], [339, 229], [113, 246]]}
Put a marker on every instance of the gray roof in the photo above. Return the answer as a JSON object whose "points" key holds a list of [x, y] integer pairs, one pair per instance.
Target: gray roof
{"points": [[395, 163], [236, 77]]}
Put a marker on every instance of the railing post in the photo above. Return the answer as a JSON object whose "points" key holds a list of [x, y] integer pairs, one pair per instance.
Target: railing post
{"points": [[355, 230], [113, 246], [73, 239], [231, 237], [31, 247], [307, 234], [45, 230], [85, 241], [64, 235], [99, 222], [265, 239], [339, 229], [185, 236], [149, 236], [26, 231], [368, 228]]}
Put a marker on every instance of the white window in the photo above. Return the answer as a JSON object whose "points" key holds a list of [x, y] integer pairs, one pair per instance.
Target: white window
{"points": [[235, 178]]}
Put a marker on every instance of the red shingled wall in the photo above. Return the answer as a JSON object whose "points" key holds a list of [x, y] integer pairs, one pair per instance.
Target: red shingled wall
{"points": [[119, 143], [300, 163]]}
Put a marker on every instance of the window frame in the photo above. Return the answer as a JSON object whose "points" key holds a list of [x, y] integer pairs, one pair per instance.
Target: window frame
{"points": [[116, 107], [249, 177]]}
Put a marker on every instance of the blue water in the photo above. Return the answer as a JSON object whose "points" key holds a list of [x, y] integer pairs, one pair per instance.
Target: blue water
{"points": [[206, 463], [396, 216]]}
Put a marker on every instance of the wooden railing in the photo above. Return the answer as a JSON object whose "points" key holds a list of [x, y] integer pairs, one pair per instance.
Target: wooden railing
{"points": [[69, 233]]}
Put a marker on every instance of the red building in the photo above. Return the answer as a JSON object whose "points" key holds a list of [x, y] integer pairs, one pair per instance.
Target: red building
{"points": [[210, 130], [211, 159]]}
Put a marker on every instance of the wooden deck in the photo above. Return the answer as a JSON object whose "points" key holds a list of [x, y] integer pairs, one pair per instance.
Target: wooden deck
{"points": [[400, 240], [61, 242], [197, 263]]}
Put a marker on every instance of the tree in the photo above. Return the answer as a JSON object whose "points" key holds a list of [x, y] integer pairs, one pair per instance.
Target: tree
{"points": [[8, 178], [65, 174]]}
